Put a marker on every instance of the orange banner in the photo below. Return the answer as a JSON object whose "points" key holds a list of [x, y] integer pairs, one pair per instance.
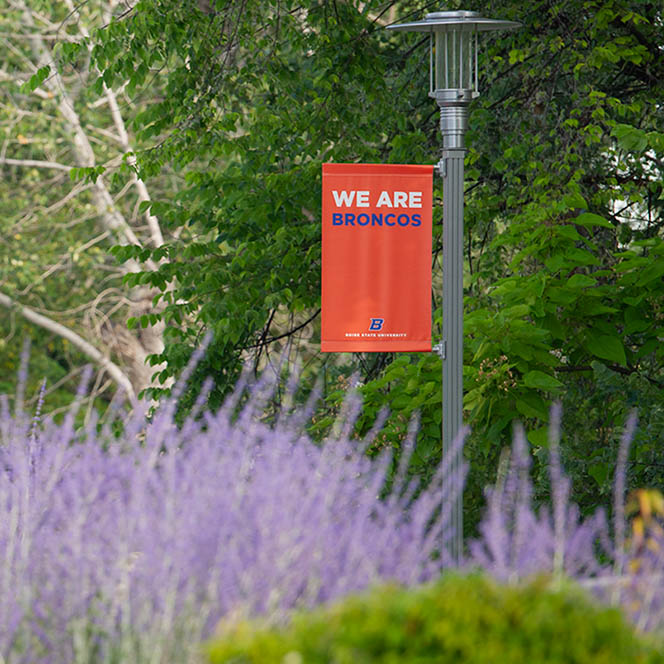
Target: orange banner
{"points": [[376, 263]]}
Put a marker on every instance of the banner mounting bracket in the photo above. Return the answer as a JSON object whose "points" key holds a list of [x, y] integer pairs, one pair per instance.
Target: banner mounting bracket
{"points": [[440, 349]]}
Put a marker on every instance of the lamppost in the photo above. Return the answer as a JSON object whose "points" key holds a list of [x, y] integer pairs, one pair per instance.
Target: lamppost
{"points": [[453, 84]]}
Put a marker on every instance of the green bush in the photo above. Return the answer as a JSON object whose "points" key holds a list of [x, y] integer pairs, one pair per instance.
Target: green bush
{"points": [[460, 620]]}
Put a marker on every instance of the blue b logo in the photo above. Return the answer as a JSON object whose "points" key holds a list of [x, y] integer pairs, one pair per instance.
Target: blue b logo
{"points": [[376, 323]]}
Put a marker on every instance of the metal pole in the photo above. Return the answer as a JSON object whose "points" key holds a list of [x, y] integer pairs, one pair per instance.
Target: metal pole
{"points": [[447, 69], [453, 125]]}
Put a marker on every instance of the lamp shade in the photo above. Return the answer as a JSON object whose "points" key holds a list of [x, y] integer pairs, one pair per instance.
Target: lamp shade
{"points": [[453, 50]]}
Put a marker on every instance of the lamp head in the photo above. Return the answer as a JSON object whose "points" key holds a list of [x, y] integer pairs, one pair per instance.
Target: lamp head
{"points": [[453, 51]]}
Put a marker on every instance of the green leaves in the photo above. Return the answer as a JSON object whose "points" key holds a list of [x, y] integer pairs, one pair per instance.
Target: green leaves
{"points": [[541, 381], [606, 348], [87, 173], [600, 472], [590, 220], [579, 281], [630, 138], [143, 321], [651, 273], [575, 200], [36, 79]]}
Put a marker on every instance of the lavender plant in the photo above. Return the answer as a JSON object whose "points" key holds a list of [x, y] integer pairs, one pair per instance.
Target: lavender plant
{"points": [[131, 549], [516, 541]]}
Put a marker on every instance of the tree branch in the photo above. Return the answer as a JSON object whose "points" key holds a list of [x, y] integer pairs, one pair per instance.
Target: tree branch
{"points": [[265, 342], [123, 139], [76, 340], [109, 214], [34, 163], [617, 368]]}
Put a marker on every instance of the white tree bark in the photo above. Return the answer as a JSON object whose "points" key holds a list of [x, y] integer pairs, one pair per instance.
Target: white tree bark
{"points": [[130, 347], [34, 163], [76, 340]]}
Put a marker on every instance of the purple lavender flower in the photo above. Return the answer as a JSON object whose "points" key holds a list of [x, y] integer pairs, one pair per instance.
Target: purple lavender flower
{"points": [[132, 548], [517, 542]]}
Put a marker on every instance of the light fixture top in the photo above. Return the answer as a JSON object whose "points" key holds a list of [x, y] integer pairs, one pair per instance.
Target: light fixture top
{"points": [[455, 20]]}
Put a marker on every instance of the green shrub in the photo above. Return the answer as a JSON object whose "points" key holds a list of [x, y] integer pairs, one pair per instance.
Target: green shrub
{"points": [[460, 620]]}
